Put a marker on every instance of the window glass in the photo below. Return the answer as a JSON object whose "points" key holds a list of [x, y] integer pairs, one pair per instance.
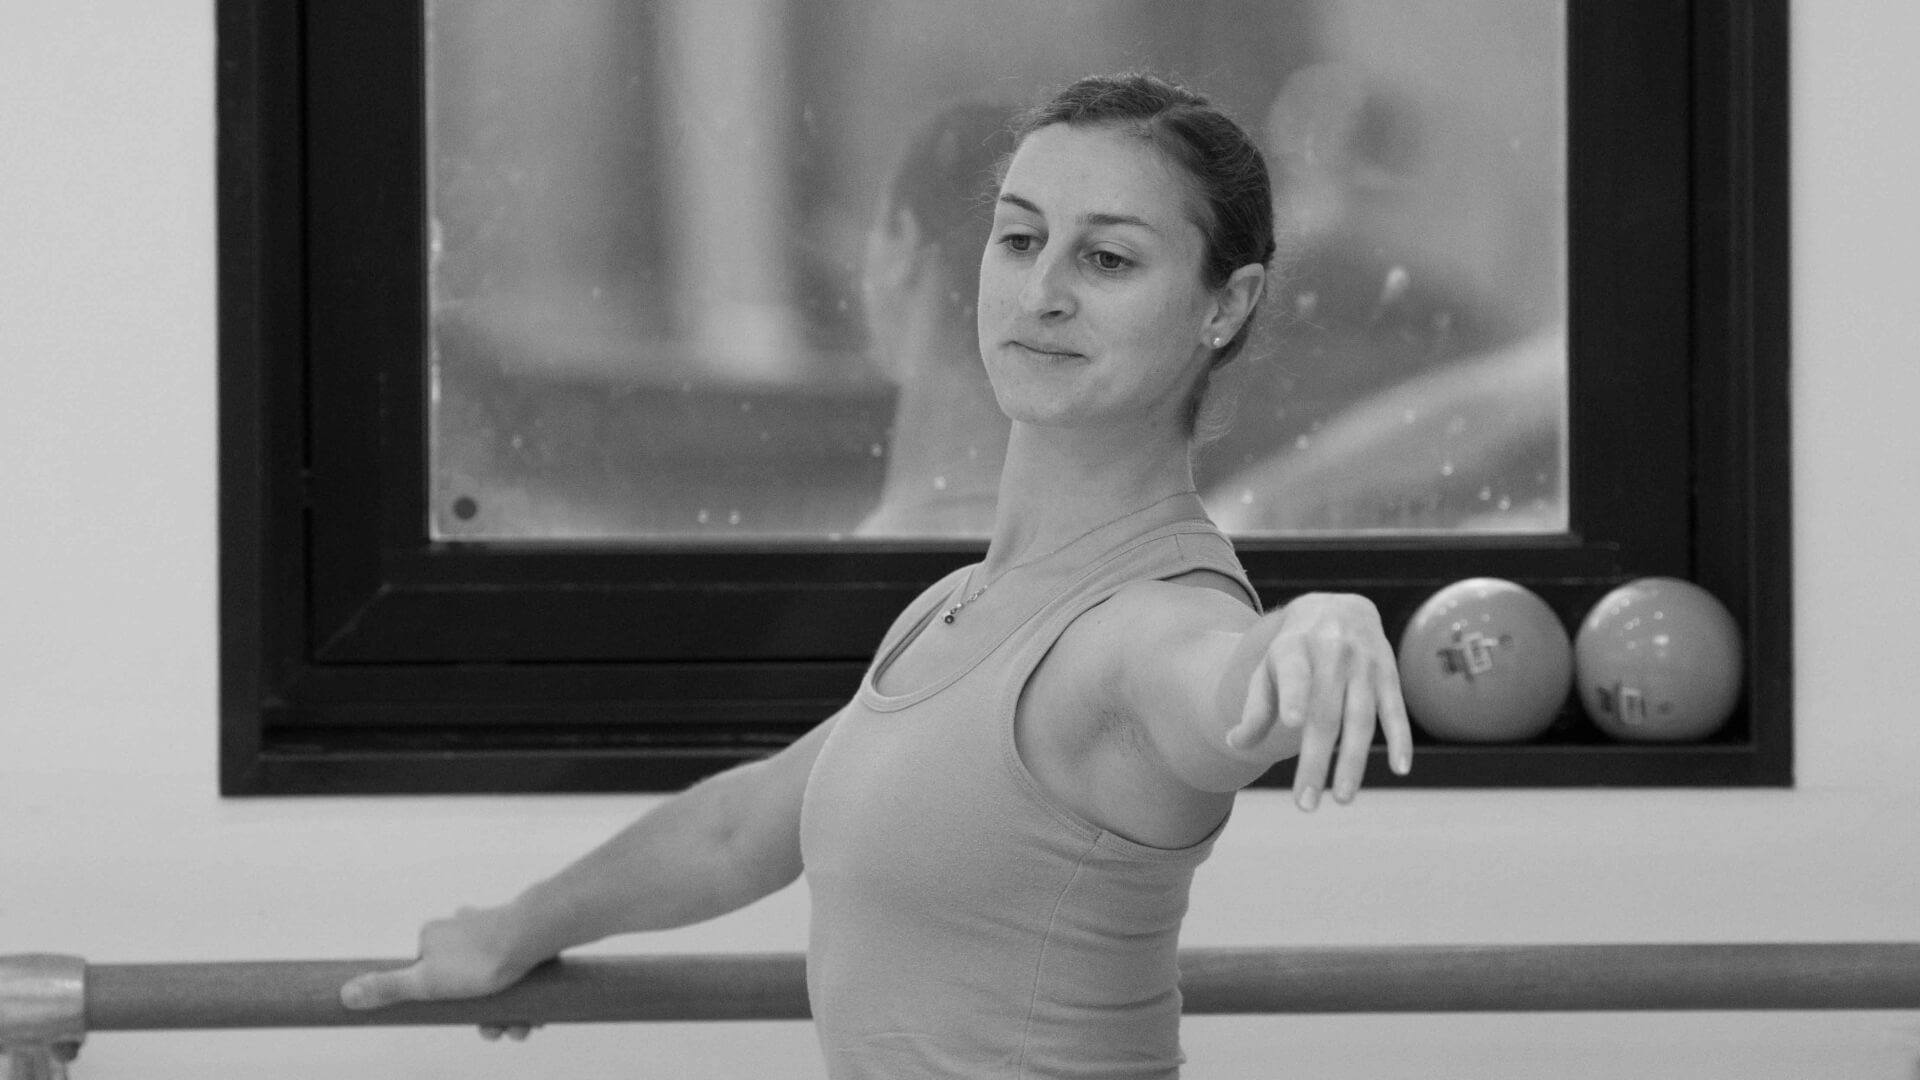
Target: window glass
{"points": [[704, 270]]}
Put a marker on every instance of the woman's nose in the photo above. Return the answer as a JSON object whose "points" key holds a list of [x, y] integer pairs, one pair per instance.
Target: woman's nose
{"points": [[1048, 290]]}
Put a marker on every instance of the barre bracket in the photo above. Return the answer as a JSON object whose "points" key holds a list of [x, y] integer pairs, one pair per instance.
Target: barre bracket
{"points": [[43, 1014]]}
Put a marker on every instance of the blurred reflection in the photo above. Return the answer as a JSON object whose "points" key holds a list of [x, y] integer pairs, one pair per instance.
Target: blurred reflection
{"points": [[948, 438], [1420, 381], [702, 269]]}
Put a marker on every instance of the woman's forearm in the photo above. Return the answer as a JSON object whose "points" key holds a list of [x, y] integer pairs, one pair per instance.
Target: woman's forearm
{"points": [[693, 857]]}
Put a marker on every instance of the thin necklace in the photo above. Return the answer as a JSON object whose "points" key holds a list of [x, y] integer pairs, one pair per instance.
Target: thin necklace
{"points": [[954, 611]]}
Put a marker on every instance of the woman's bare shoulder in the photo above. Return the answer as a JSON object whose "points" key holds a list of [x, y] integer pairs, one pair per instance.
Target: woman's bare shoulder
{"points": [[1149, 661], [1195, 600], [1149, 639]]}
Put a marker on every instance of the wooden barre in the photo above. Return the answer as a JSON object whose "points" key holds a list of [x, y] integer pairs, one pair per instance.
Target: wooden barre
{"points": [[772, 986]]}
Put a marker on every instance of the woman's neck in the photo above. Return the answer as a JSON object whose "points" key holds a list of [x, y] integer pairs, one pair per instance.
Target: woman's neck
{"points": [[1061, 483]]}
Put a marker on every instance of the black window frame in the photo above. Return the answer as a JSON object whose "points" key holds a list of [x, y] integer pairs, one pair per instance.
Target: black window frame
{"points": [[360, 656]]}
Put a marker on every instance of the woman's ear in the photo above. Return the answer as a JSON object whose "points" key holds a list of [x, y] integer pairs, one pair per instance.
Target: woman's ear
{"points": [[1234, 303]]}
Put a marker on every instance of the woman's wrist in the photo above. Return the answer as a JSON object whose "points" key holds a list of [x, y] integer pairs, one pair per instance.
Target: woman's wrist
{"points": [[534, 927]]}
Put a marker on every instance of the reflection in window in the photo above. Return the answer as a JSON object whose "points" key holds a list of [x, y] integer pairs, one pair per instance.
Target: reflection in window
{"points": [[704, 270]]}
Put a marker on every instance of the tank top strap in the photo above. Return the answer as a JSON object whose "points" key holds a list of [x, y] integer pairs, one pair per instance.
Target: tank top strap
{"points": [[1177, 533], [1169, 550], [1202, 546], [1165, 551]]}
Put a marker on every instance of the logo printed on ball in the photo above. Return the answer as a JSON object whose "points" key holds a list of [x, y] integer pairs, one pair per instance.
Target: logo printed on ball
{"points": [[1471, 653], [1623, 701]]}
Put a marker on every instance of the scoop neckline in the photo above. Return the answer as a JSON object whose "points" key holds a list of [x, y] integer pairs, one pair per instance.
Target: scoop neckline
{"points": [[873, 697]]}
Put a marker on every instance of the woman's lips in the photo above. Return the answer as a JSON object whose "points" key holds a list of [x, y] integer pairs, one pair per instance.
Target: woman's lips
{"points": [[1039, 350]]}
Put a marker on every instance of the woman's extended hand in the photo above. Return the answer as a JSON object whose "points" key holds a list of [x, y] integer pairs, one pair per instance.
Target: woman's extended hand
{"points": [[1326, 674], [466, 956]]}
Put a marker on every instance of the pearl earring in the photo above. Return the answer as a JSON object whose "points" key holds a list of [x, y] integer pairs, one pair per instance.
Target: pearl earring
{"points": [[1216, 343]]}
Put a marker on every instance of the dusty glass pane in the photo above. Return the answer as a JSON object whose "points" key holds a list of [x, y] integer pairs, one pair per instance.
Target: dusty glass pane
{"points": [[704, 269]]}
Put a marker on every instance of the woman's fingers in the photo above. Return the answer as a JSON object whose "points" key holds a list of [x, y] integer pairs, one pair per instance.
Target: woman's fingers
{"points": [[1293, 675], [1356, 739], [516, 1032], [1310, 769], [1332, 668], [1333, 680], [377, 989], [1393, 717], [1325, 692]]}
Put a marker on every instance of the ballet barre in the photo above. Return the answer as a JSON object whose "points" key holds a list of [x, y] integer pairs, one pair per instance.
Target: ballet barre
{"points": [[48, 1004]]}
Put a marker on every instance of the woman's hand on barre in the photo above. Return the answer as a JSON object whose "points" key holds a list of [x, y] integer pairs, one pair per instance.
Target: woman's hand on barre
{"points": [[469, 955]]}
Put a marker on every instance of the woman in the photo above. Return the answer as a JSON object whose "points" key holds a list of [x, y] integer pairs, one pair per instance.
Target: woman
{"points": [[1000, 830]]}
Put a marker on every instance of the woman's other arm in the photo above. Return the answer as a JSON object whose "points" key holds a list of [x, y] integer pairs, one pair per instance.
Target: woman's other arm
{"points": [[717, 846]]}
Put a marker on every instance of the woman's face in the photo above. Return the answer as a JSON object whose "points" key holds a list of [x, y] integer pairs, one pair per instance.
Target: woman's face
{"points": [[1092, 307]]}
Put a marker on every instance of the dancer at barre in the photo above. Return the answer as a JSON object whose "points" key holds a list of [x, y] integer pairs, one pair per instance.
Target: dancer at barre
{"points": [[1000, 830]]}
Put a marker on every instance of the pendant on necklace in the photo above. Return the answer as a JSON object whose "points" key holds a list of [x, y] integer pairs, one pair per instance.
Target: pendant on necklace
{"points": [[955, 609]]}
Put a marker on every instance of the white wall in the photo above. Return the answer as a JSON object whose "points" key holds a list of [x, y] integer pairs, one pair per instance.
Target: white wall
{"points": [[114, 845]]}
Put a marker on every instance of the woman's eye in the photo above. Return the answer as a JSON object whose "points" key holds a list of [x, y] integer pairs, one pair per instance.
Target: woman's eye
{"points": [[1019, 243], [1110, 261]]}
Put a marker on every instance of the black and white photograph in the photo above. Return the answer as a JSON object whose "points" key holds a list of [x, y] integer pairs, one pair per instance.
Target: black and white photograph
{"points": [[952, 539]]}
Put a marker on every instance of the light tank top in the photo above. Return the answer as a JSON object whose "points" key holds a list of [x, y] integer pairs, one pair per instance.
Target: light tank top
{"points": [[965, 922]]}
